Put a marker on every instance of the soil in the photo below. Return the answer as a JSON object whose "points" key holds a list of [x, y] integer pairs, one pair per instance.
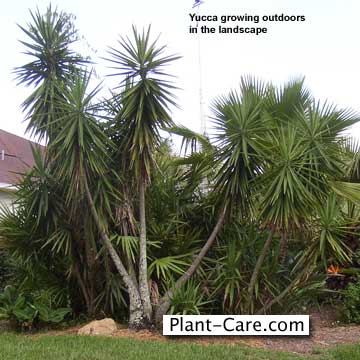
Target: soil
{"points": [[325, 332]]}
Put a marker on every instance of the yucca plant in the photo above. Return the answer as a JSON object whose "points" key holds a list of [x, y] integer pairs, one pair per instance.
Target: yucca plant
{"points": [[236, 164], [332, 229], [49, 40], [145, 110], [302, 157]]}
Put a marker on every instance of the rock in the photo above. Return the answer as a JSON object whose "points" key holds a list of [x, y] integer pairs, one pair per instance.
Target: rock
{"points": [[104, 327]]}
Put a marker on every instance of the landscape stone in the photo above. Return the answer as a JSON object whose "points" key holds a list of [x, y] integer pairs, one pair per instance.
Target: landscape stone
{"points": [[104, 327]]}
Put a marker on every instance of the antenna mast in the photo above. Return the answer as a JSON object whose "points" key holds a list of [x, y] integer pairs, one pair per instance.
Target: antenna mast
{"points": [[201, 98]]}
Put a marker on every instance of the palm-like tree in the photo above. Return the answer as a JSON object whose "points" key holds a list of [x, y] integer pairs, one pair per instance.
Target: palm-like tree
{"points": [[239, 126], [278, 155], [62, 110], [51, 72], [302, 157], [145, 110], [81, 153], [49, 43]]}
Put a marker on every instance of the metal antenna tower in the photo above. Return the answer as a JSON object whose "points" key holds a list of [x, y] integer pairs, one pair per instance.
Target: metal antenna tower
{"points": [[201, 97]]}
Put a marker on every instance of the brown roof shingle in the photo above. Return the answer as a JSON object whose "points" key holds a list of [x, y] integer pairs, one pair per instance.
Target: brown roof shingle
{"points": [[18, 157]]}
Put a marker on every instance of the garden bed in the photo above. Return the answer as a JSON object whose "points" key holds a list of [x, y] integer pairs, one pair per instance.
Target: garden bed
{"points": [[326, 332]]}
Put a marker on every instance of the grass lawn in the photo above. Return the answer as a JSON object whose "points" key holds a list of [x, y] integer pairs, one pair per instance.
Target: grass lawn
{"points": [[40, 347]]}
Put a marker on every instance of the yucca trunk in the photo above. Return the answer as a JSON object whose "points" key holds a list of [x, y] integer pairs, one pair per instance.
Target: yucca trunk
{"points": [[164, 302], [260, 261], [143, 279], [137, 319]]}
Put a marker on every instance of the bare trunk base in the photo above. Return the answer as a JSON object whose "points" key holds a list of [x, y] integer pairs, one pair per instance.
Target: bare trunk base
{"points": [[138, 321], [143, 276], [162, 309]]}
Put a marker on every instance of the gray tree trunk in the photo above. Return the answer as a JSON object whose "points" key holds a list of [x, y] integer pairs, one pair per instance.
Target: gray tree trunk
{"points": [[137, 318], [143, 278], [164, 302]]}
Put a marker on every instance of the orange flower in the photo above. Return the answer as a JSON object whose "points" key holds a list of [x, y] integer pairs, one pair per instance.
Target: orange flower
{"points": [[333, 269]]}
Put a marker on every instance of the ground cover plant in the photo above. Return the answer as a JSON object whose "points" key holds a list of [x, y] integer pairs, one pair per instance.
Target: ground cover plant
{"points": [[254, 217]]}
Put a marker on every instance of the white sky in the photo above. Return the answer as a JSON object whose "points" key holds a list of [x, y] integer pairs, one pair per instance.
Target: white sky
{"points": [[325, 48]]}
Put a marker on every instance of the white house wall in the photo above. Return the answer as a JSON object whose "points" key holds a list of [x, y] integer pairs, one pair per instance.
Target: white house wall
{"points": [[6, 195], [6, 198]]}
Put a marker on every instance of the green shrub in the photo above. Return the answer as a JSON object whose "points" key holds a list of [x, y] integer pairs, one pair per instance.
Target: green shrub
{"points": [[4, 269], [351, 303], [28, 310], [188, 300]]}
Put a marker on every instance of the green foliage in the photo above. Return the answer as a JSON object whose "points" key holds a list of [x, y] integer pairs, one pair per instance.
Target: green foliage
{"points": [[228, 280], [334, 227], [239, 127], [49, 40], [51, 246], [145, 99], [167, 266], [288, 195], [274, 161], [48, 315], [27, 309], [80, 148], [14, 305], [4, 269], [189, 300], [351, 303]]}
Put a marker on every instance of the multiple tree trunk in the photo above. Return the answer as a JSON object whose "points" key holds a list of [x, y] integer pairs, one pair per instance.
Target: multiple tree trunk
{"points": [[138, 318], [140, 307]]}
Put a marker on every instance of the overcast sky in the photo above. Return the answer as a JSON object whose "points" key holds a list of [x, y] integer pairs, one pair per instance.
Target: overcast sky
{"points": [[325, 48]]}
